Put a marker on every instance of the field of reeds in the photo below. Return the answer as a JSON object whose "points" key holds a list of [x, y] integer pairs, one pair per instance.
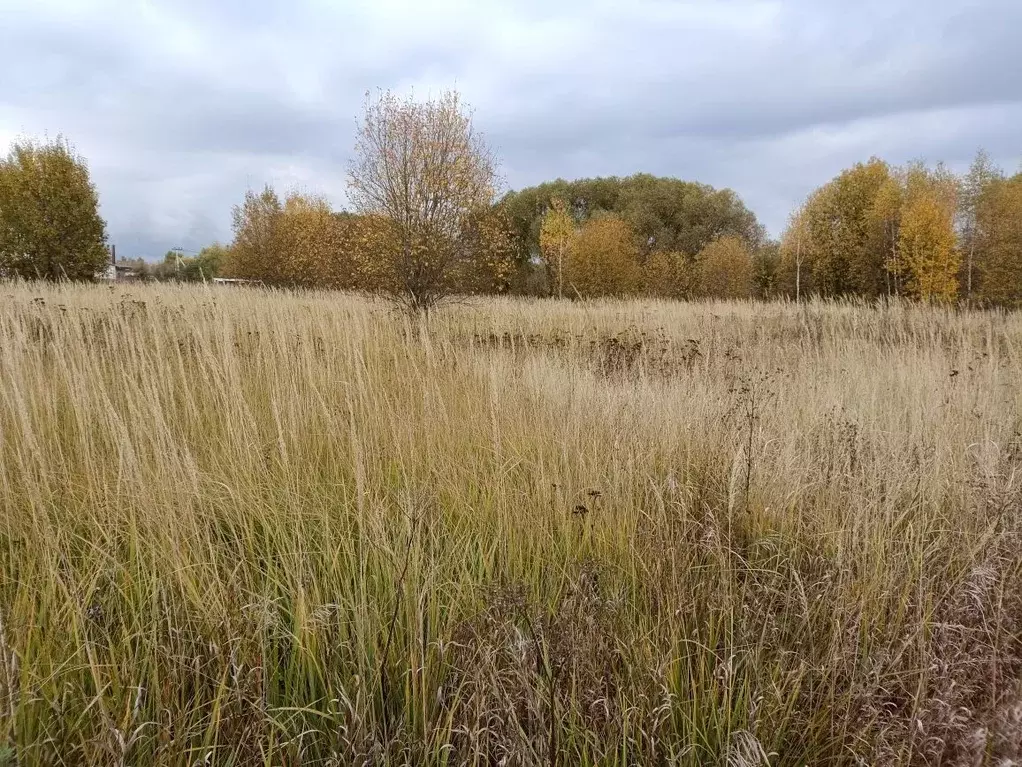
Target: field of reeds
{"points": [[241, 527]]}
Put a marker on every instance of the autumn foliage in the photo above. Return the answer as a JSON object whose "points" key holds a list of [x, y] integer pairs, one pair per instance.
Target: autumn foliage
{"points": [[874, 231], [999, 241], [422, 166], [426, 224], [725, 269], [668, 274], [50, 226], [915, 232], [927, 245], [604, 260], [557, 240]]}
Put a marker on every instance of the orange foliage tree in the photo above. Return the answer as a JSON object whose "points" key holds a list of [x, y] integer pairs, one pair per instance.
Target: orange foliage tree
{"points": [[725, 269], [423, 167], [299, 242], [604, 260], [667, 274]]}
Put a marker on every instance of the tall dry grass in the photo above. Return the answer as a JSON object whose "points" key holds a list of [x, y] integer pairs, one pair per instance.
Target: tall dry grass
{"points": [[244, 527]]}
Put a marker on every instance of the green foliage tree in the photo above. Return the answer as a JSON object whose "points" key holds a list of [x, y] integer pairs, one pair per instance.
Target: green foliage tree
{"points": [[208, 263], [666, 214], [169, 269], [673, 215], [50, 227], [205, 265]]}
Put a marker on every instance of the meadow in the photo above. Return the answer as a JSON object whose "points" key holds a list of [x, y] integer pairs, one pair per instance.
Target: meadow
{"points": [[248, 527]]}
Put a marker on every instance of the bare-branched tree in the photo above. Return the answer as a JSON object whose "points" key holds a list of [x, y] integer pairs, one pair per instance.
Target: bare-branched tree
{"points": [[422, 167]]}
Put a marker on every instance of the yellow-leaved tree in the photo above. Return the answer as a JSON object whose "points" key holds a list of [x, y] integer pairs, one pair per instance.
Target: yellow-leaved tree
{"points": [[604, 259], [312, 244], [976, 196], [926, 243], [999, 242], [667, 274], [884, 220], [422, 166], [299, 242], [485, 256], [50, 226], [839, 233], [725, 269], [557, 236], [256, 252]]}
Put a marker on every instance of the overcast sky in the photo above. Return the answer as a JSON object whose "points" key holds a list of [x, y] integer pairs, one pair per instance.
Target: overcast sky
{"points": [[182, 105]]}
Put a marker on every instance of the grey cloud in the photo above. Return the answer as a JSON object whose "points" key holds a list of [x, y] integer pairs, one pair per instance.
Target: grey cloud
{"points": [[181, 106]]}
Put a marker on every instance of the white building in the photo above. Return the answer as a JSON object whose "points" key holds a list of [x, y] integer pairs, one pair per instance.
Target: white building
{"points": [[115, 272]]}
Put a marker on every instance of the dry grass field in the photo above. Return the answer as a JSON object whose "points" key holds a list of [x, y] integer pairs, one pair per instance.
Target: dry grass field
{"points": [[258, 528]]}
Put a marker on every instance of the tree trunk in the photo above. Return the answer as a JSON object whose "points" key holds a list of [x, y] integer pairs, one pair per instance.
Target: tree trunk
{"points": [[560, 271], [972, 254], [798, 269]]}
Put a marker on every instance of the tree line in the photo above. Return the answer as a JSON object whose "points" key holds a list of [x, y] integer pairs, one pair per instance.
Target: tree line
{"points": [[878, 230], [426, 223], [589, 238]]}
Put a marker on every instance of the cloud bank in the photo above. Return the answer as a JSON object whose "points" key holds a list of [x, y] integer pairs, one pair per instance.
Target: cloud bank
{"points": [[182, 106]]}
